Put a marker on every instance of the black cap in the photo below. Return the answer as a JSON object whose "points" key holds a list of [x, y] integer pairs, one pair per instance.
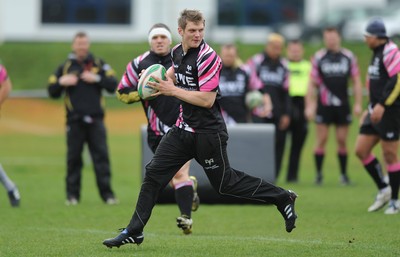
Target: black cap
{"points": [[376, 28]]}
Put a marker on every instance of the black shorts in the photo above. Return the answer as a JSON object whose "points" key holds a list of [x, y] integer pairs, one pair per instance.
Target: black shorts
{"points": [[338, 115], [153, 140], [387, 129]]}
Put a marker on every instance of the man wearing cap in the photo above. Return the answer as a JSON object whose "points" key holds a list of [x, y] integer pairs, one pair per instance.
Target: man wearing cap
{"points": [[381, 121], [162, 113]]}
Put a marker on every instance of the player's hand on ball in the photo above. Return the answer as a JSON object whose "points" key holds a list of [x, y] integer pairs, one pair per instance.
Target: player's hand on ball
{"points": [[68, 80], [141, 72], [149, 81], [164, 87], [267, 106]]}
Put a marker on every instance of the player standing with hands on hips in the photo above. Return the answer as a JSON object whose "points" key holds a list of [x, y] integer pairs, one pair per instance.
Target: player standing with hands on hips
{"points": [[381, 122], [162, 113], [200, 133]]}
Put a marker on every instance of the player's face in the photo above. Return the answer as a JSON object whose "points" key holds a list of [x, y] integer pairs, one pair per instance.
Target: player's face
{"points": [[80, 46], [295, 52], [371, 41], [192, 35], [274, 49], [332, 40], [160, 44], [228, 56]]}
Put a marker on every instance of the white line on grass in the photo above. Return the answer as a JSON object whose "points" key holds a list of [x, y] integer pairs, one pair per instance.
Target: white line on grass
{"points": [[30, 128], [207, 237]]}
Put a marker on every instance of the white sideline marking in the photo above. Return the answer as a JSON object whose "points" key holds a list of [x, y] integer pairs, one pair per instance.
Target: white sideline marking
{"points": [[71, 230], [208, 237], [30, 128]]}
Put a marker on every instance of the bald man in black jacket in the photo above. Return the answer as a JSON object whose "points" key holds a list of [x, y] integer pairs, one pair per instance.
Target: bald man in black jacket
{"points": [[82, 78]]}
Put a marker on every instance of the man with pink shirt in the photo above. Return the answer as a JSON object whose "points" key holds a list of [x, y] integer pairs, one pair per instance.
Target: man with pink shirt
{"points": [[332, 67], [381, 121], [161, 113], [12, 190], [200, 133], [270, 75]]}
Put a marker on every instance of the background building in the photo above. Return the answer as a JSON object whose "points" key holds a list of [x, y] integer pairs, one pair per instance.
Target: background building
{"points": [[129, 20]]}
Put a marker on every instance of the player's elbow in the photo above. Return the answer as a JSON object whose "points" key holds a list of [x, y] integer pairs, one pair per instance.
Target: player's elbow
{"points": [[209, 99], [209, 103]]}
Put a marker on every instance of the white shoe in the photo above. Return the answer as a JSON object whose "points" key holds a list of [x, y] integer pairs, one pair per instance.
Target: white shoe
{"points": [[394, 206], [185, 223], [71, 201], [381, 199], [112, 201]]}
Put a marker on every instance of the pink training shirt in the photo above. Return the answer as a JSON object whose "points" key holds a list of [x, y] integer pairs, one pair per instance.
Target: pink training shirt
{"points": [[391, 58], [3, 74]]}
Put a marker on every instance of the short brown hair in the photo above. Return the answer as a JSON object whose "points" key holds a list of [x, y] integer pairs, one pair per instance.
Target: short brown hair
{"points": [[80, 34], [194, 16], [332, 29], [228, 46]]}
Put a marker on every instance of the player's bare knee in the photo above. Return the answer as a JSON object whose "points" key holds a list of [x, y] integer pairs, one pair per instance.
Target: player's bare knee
{"points": [[390, 157], [361, 153], [342, 146], [181, 176], [358, 153]]}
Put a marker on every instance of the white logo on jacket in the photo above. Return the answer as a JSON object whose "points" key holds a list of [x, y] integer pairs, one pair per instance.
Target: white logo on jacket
{"points": [[209, 161], [390, 134], [335, 68], [373, 69], [185, 80]]}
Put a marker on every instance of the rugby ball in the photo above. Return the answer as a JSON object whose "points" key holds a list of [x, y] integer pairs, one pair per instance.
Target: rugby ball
{"points": [[145, 91], [254, 99]]}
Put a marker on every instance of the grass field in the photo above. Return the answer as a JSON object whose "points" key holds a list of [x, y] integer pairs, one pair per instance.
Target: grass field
{"points": [[333, 220]]}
